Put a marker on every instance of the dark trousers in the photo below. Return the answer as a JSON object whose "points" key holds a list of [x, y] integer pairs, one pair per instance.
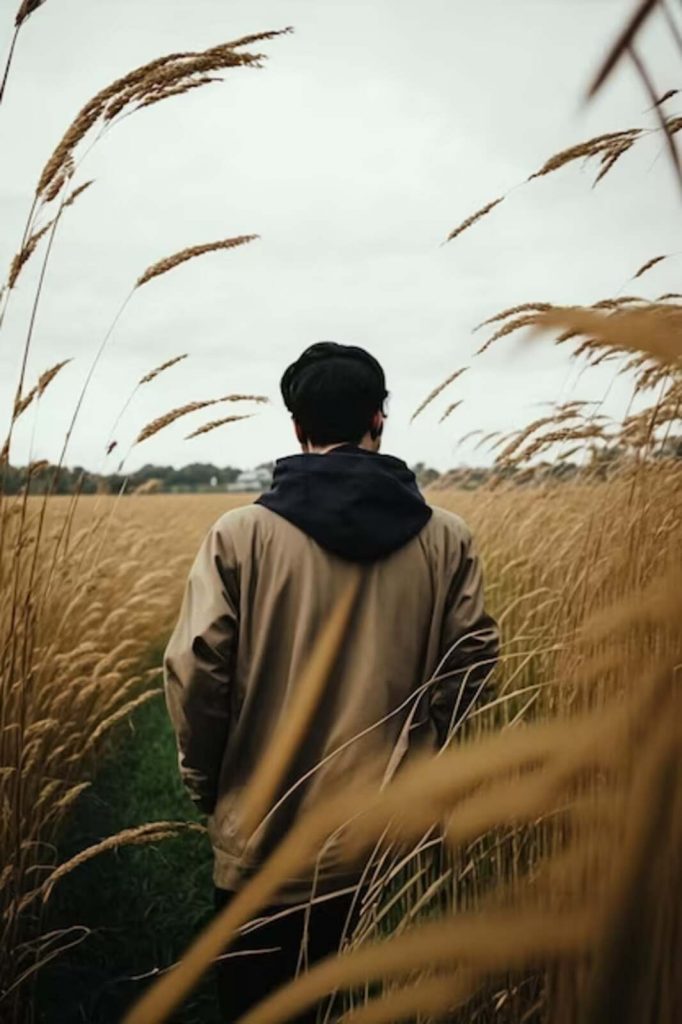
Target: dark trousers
{"points": [[247, 978]]}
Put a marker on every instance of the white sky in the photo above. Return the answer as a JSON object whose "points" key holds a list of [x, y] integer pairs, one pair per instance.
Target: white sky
{"points": [[373, 130]]}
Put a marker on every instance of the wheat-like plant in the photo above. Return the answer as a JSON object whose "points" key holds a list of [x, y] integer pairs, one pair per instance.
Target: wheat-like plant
{"points": [[214, 424], [22, 403], [170, 262], [437, 391], [153, 374], [557, 803], [161, 422]]}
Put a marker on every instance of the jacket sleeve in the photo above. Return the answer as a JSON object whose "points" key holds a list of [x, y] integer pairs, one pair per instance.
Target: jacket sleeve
{"points": [[469, 645], [198, 667]]}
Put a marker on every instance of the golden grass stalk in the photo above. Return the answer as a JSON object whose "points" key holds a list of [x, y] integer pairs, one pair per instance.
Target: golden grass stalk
{"points": [[162, 997], [417, 799], [60, 180], [146, 379], [77, 192], [26, 9], [177, 90], [623, 42], [663, 121], [667, 95], [258, 37], [431, 996], [673, 125], [165, 72], [151, 832], [44, 381], [526, 320], [484, 210], [170, 262], [25, 253], [611, 157], [149, 377], [656, 330], [214, 424], [120, 714], [450, 409], [523, 307], [437, 391], [486, 941], [161, 422], [616, 303], [648, 265], [450, 780], [607, 143], [653, 831]]}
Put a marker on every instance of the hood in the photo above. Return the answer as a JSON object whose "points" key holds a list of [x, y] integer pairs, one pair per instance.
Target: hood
{"points": [[357, 504]]}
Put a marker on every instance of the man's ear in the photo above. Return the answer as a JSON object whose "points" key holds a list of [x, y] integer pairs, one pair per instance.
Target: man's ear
{"points": [[376, 427]]}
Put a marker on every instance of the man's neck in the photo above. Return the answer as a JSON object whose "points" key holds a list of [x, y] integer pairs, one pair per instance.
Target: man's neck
{"points": [[366, 443], [317, 449]]}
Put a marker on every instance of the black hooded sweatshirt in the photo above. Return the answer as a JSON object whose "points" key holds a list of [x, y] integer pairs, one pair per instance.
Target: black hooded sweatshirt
{"points": [[357, 504]]}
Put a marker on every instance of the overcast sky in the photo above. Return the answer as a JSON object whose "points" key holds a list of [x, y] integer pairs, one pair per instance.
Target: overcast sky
{"points": [[372, 131]]}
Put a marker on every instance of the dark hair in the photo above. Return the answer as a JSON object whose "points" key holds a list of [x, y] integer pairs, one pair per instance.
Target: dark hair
{"points": [[333, 391]]}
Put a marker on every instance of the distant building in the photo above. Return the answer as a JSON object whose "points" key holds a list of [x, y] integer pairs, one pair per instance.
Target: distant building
{"points": [[252, 481]]}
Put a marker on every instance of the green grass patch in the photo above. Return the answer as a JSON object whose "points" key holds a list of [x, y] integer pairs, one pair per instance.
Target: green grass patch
{"points": [[141, 904]]}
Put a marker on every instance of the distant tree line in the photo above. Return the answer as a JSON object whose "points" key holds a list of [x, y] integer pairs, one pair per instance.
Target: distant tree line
{"points": [[42, 477]]}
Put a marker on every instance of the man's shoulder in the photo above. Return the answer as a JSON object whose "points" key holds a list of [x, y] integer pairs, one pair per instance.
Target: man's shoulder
{"points": [[448, 524], [241, 519]]}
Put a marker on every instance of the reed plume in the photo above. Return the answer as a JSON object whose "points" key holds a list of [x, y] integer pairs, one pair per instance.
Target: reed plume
{"points": [[151, 832], [656, 330], [437, 391], [214, 424], [26, 9], [170, 262], [177, 90], [510, 327], [605, 146], [25, 253], [30, 245], [44, 381], [648, 265], [522, 307], [184, 410], [77, 192], [450, 409], [149, 377], [165, 73], [484, 210]]}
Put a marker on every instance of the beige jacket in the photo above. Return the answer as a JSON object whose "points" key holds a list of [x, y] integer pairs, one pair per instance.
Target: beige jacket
{"points": [[257, 597]]}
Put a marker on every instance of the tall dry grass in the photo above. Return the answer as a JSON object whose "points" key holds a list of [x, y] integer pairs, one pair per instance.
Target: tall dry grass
{"points": [[79, 614], [82, 599], [554, 803], [549, 895], [530, 870]]}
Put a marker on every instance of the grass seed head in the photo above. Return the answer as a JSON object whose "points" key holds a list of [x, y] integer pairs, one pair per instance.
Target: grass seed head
{"points": [[484, 210], [214, 424], [170, 262], [437, 391], [148, 377]]}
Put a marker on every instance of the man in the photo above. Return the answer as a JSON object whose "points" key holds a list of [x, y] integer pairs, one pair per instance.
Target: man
{"points": [[265, 581]]}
